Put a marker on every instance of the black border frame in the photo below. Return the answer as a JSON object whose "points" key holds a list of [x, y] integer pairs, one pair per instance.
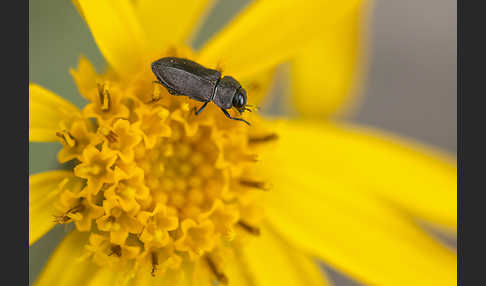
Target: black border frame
{"points": [[471, 63], [15, 90]]}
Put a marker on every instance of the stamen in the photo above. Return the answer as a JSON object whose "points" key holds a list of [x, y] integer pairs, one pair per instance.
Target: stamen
{"points": [[254, 184], [112, 136], [111, 219], [263, 139], [155, 263], [106, 186], [76, 209], [249, 228], [115, 249], [105, 99], [67, 137], [62, 219], [219, 275]]}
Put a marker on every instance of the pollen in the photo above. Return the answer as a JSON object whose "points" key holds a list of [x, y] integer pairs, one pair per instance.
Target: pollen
{"points": [[161, 186]]}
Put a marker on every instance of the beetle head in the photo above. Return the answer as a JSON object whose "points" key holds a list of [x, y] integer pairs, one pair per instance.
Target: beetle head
{"points": [[239, 99]]}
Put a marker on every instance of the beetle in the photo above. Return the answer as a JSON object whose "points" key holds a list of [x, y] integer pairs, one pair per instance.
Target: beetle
{"points": [[184, 77]]}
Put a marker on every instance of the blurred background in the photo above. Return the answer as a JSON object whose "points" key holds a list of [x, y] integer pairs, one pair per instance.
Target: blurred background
{"points": [[410, 88]]}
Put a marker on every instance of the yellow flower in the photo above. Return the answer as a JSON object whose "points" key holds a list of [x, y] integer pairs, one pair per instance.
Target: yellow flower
{"points": [[160, 195]]}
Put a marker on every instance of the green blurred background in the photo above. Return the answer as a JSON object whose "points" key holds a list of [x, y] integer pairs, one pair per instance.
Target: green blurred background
{"points": [[410, 89]]}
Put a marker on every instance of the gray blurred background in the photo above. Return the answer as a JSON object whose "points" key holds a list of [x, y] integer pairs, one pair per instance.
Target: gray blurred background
{"points": [[410, 89]]}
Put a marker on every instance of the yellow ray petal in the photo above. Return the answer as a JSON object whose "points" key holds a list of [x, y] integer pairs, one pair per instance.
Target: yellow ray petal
{"points": [[269, 32], [84, 76], [42, 195], [326, 74], [117, 32], [267, 260], [104, 277], [356, 231], [409, 175], [46, 112], [64, 268], [170, 22], [257, 87], [80, 11], [176, 278], [237, 273]]}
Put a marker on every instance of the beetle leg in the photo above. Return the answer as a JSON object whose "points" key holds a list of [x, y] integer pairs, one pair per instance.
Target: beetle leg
{"points": [[233, 118], [202, 107]]}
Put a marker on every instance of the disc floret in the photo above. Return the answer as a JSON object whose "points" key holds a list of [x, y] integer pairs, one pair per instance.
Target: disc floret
{"points": [[159, 185]]}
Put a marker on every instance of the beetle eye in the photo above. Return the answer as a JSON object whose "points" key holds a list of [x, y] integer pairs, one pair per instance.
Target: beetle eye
{"points": [[240, 99]]}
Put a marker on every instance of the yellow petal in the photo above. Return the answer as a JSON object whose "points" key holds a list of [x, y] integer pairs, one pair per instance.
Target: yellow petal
{"points": [[326, 74], [358, 235], [358, 242], [80, 11], [170, 22], [104, 277], [176, 278], [46, 112], [64, 268], [117, 32], [85, 76], [269, 32], [354, 230], [257, 87], [267, 260], [411, 176], [42, 195]]}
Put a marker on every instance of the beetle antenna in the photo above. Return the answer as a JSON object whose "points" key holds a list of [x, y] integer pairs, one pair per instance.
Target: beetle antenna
{"points": [[252, 106]]}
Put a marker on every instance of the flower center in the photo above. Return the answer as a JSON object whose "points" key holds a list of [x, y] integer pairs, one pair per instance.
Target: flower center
{"points": [[157, 186]]}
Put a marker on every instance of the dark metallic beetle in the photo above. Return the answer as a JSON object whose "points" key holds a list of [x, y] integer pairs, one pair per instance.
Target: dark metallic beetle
{"points": [[185, 77]]}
